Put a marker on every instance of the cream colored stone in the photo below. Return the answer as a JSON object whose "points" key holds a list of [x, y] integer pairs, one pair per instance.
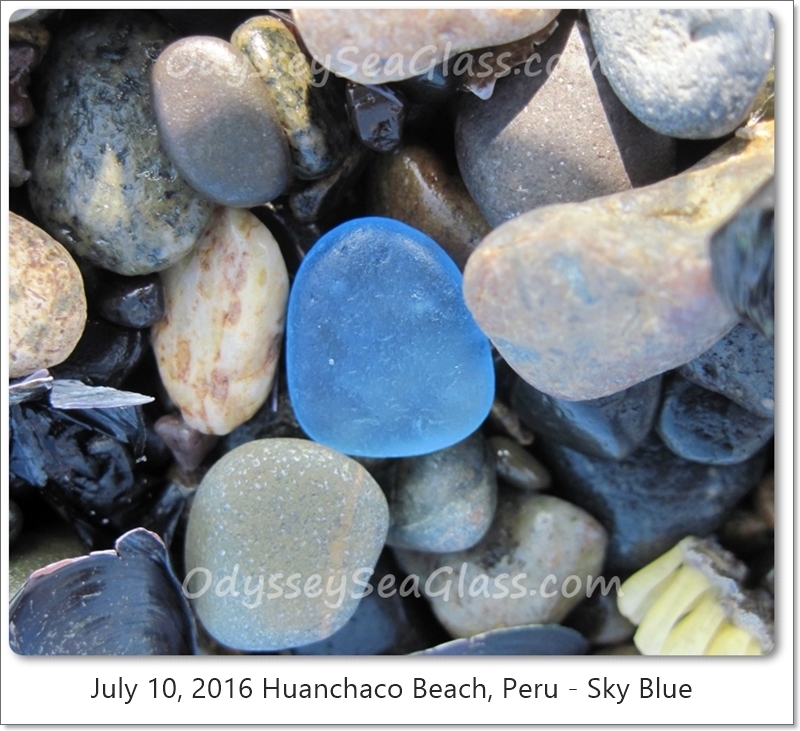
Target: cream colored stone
{"points": [[376, 46], [586, 299], [46, 301], [507, 575], [219, 342]]}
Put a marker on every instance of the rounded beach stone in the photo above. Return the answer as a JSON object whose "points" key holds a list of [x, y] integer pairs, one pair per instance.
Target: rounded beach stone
{"points": [[309, 111], [555, 132], [705, 427], [517, 466], [382, 357], [586, 299], [218, 345], [443, 501], [276, 527], [413, 185], [100, 182], [507, 576], [217, 124], [687, 73], [380, 45], [46, 301]]}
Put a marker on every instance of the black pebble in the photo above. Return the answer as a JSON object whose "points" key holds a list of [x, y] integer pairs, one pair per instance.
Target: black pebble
{"points": [[136, 302], [377, 115]]}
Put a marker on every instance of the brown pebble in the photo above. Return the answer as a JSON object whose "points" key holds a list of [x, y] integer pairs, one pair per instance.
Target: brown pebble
{"points": [[188, 446]]}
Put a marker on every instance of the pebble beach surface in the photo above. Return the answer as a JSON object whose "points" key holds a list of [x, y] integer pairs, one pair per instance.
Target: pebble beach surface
{"points": [[381, 331]]}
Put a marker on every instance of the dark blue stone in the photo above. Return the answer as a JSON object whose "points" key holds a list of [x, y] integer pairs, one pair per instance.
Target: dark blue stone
{"points": [[383, 358]]}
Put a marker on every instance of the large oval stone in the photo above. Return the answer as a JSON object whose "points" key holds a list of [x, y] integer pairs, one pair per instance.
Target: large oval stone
{"points": [[276, 528], [690, 73], [46, 301], [218, 345], [383, 358], [379, 45], [586, 299], [217, 124], [100, 182]]}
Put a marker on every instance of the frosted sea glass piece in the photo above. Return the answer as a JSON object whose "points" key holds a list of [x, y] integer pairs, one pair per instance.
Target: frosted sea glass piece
{"points": [[383, 357]]}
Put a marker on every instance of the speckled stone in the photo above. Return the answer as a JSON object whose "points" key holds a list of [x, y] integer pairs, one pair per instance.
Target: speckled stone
{"points": [[218, 345], [517, 466], [344, 40], [555, 133], [217, 124], [610, 427], [46, 301], [740, 366], [413, 185], [650, 500], [100, 182], [686, 73], [532, 538], [309, 111], [703, 426], [282, 511], [586, 299], [443, 501]]}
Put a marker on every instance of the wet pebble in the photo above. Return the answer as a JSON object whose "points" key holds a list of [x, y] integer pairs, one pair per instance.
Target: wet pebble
{"points": [[443, 501], [377, 115], [281, 506], [623, 282], [685, 73], [413, 185], [188, 446], [517, 466], [125, 601], [136, 302], [556, 133], [218, 345], [743, 261], [309, 111], [649, 500], [100, 182], [703, 426], [376, 46], [46, 300], [217, 124], [531, 538], [383, 359], [741, 367], [610, 427]]}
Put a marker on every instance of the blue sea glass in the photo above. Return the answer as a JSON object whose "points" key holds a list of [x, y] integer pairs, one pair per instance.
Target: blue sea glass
{"points": [[383, 358]]}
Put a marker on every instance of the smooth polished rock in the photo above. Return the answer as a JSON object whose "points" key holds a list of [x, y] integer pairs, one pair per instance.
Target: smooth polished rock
{"points": [[292, 513], [705, 427], [382, 357], [686, 73], [740, 366], [443, 501], [517, 466], [218, 345], [413, 185], [217, 124], [743, 261], [379, 45], [136, 302], [650, 500], [587, 299], [377, 114], [46, 300], [532, 538], [555, 132], [308, 109], [610, 427], [100, 182]]}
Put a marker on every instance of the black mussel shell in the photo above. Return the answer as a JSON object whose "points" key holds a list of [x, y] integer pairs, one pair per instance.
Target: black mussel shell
{"points": [[531, 639], [125, 601]]}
